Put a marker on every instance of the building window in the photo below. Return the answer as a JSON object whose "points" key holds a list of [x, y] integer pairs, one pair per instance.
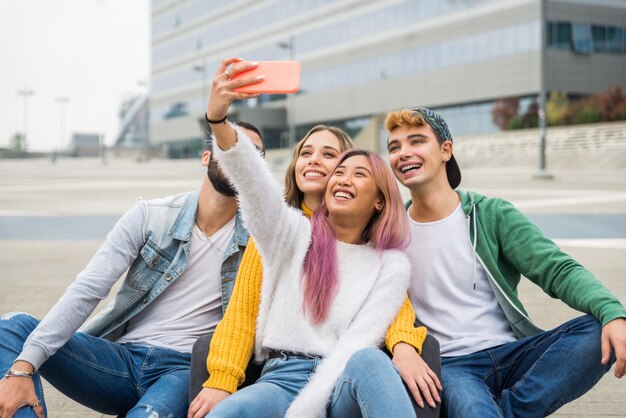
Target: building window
{"points": [[563, 35], [599, 38], [176, 110], [615, 40], [582, 42]]}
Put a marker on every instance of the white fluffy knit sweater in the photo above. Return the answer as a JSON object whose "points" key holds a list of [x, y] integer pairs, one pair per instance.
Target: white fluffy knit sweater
{"points": [[371, 287]]}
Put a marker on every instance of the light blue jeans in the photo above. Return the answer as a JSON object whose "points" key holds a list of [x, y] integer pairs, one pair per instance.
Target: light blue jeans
{"points": [[365, 389], [531, 377], [114, 379]]}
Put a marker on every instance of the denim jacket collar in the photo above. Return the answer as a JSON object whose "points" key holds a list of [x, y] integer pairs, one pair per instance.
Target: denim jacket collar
{"points": [[183, 225]]}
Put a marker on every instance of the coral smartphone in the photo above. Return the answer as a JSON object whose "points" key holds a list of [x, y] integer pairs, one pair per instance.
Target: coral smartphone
{"points": [[281, 77]]}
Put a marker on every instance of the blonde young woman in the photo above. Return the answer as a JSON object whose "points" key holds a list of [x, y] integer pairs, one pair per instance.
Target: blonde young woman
{"points": [[314, 160]]}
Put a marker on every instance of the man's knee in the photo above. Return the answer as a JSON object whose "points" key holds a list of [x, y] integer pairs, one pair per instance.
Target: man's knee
{"points": [[149, 411], [17, 325], [465, 397], [19, 318], [586, 333], [587, 323]]}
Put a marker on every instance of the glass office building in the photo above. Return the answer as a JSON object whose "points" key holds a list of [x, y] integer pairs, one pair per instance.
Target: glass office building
{"points": [[362, 58]]}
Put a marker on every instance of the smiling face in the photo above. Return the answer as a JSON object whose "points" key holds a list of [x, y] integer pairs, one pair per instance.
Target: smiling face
{"points": [[416, 156], [352, 190], [315, 164]]}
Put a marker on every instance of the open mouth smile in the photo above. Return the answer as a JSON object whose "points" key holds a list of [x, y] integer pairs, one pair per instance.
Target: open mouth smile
{"points": [[409, 168], [313, 175], [343, 195]]}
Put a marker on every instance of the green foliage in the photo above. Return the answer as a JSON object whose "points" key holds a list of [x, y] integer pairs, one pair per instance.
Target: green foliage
{"points": [[591, 113], [556, 108], [516, 123], [607, 106], [17, 142]]}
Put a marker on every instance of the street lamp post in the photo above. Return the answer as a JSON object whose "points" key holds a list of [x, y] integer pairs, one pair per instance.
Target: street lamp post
{"points": [[61, 101], [25, 93], [290, 46], [543, 172], [202, 69], [145, 123]]}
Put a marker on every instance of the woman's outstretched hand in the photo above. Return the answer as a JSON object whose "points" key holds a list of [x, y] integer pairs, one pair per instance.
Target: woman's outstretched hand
{"points": [[222, 94]]}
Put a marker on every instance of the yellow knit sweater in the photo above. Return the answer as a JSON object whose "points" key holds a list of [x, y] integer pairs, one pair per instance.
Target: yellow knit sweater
{"points": [[233, 340]]}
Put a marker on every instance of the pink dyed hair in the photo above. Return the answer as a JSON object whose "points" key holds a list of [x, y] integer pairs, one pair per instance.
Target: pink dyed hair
{"points": [[387, 229]]}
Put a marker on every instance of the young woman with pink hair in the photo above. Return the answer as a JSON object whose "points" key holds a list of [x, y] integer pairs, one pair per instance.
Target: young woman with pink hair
{"points": [[331, 285]]}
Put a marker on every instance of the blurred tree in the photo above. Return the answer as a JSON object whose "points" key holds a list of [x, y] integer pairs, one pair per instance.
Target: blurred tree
{"points": [[612, 104], [531, 116], [607, 106], [17, 142], [516, 123], [586, 110], [504, 110], [556, 108]]}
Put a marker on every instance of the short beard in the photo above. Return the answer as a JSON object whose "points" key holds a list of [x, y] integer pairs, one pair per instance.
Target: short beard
{"points": [[218, 180]]}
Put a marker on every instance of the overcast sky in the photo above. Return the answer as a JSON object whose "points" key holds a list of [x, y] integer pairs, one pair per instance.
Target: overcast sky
{"points": [[96, 52]]}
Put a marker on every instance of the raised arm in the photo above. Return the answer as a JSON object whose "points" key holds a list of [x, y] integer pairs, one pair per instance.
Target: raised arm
{"points": [[266, 215], [222, 95]]}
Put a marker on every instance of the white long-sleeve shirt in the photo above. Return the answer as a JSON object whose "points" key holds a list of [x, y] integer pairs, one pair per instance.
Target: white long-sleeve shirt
{"points": [[371, 287]]}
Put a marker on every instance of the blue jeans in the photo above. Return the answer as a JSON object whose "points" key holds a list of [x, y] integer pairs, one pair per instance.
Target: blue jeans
{"points": [[111, 378], [359, 391], [370, 386], [530, 377]]}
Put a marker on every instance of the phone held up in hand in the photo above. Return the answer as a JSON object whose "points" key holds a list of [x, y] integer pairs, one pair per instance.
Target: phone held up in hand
{"points": [[281, 77]]}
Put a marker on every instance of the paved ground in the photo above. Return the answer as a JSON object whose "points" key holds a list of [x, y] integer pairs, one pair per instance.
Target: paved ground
{"points": [[64, 210]]}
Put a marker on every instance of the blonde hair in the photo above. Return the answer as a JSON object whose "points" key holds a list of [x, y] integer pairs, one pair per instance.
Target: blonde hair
{"points": [[407, 118], [293, 195]]}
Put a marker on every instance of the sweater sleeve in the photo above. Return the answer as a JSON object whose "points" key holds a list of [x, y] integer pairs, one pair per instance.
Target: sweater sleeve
{"points": [[271, 221], [366, 330], [539, 259], [403, 330], [113, 258], [233, 340]]}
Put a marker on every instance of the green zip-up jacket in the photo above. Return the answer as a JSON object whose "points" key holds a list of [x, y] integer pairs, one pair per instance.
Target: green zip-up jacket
{"points": [[509, 245]]}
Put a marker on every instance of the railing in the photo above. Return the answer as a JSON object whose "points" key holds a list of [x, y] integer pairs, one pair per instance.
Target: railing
{"points": [[578, 140]]}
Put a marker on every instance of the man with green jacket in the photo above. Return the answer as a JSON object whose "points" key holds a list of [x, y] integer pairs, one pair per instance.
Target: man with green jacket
{"points": [[468, 254]]}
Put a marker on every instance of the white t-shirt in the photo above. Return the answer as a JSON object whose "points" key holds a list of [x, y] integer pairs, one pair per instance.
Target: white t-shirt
{"points": [[192, 305], [464, 320]]}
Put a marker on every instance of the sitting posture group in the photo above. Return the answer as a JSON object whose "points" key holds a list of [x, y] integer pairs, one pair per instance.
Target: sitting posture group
{"points": [[325, 297]]}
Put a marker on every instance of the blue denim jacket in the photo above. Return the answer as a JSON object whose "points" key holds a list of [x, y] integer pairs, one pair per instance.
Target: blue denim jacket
{"points": [[162, 259]]}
